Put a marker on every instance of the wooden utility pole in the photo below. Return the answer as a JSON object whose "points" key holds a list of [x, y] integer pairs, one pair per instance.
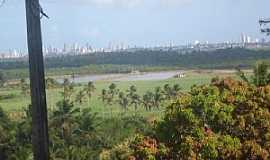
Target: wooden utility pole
{"points": [[40, 138]]}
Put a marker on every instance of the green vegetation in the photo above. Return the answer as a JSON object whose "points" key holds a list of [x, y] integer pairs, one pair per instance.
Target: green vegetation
{"points": [[74, 133], [2, 78], [260, 76], [226, 120], [218, 58], [187, 118], [122, 62], [81, 130], [55, 92]]}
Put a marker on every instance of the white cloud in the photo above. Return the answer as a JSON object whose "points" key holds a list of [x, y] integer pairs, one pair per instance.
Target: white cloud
{"points": [[174, 3], [101, 3], [125, 3], [117, 3]]}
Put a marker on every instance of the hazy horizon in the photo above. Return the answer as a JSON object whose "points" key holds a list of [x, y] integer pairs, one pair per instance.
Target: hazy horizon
{"points": [[134, 22]]}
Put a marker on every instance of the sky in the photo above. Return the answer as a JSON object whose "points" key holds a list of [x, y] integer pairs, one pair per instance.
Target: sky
{"points": [[134, 22]]}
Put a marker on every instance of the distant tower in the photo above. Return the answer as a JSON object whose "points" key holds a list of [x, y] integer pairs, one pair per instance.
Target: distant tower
{"points": [[65, 48], [248, 39], [170, 44], [264, 22], [243, 38]]}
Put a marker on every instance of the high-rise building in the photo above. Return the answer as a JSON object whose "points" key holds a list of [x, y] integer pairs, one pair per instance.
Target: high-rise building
{"points": [[243, 38], [248, 39]]}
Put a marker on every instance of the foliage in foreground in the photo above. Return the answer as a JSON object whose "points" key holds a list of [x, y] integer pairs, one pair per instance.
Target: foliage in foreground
{"points": [[227, 119], [260, 77], [75, 133]]}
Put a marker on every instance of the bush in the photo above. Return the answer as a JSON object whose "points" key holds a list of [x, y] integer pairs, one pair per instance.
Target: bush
{"points": [[226, 119]]}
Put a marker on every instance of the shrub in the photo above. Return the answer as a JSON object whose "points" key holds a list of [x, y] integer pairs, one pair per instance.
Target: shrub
{"points": [[227, 119]]}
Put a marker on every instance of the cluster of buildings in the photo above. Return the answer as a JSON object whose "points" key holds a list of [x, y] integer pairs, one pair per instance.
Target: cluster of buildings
{"points": [[12, 54], [76, 49], [248, 39], [72, 49]]}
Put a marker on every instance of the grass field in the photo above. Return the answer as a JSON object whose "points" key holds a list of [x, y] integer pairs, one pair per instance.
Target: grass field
{"points": [[18, 101]]}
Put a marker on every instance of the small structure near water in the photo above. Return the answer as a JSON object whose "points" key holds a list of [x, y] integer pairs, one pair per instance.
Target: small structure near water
{"points": [[179, 75], [135, 72]]}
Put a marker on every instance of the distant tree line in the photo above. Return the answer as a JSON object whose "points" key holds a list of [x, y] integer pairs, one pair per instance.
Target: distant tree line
{"points": [[225, 58]]}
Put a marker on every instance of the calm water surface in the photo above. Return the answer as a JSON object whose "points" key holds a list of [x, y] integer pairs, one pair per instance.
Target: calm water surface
{"points": [[125, 77]]}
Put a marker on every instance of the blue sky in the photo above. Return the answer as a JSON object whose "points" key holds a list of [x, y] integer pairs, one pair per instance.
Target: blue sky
{"points": [[134, 22]]}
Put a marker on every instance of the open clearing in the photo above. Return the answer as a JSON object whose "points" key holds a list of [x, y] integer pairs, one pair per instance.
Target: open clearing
{"points": [[19, 101]]}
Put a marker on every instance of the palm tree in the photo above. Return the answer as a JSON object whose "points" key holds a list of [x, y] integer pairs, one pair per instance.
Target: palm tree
{"points": [[6, 128], [158, 97], [90, 89], [86, 130], [68, 89], [134, 97], [123, 100], [135, 100], [108, 96], [64, 120], [167, 91], [104, 95], [2, 79], [51, 83], [80, 97], [260, 77], [171, 92], [240, 74], [24, 133], [132, 90], [148, 100], [112, 92], [176, 90], [105, 99], [25, 88]]}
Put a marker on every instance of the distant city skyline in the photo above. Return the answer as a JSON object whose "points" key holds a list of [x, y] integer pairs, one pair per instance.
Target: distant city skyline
{"points": [[77, 49], [135, 22]]}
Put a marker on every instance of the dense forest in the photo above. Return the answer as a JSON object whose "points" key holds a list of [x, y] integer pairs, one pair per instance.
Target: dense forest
{"points": [[226, 58]]}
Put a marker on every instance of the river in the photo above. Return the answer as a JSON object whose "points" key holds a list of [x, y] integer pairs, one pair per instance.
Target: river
{"points": [[125, 77]]}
